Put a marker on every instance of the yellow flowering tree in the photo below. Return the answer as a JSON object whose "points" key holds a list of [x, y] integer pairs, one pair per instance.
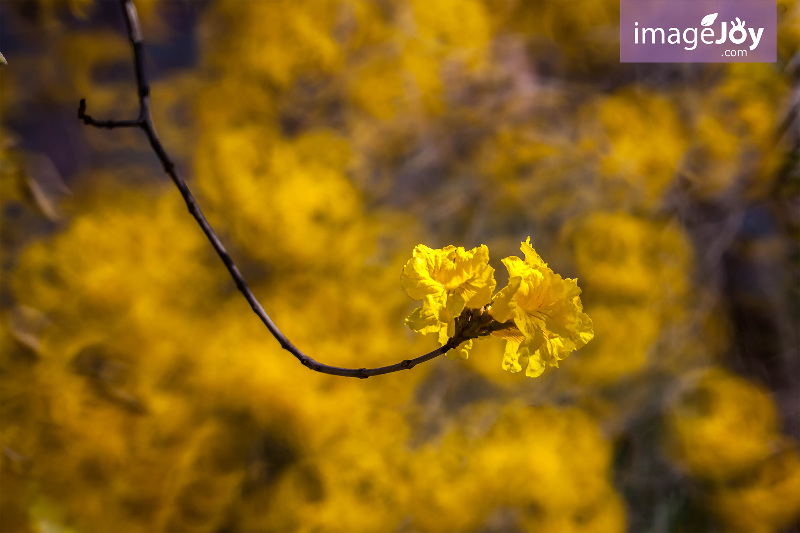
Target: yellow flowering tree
{"points": [[324, 140]]}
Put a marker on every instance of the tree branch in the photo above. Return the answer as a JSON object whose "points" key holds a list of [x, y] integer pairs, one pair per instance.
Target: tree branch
{"points": [[145, 122]]}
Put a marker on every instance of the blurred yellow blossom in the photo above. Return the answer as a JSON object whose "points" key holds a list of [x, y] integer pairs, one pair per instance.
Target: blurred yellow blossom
{"points": [[275, 41], [448, 463], [625, 256], [302, 184], [549, 322], [623, 336], [733, 144], [531, 468], [443, 26], [554, 465], [636, 160], [765, 500], [722, 426]]}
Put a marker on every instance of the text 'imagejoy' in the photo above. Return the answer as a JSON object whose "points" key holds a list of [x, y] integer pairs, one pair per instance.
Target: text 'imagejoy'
{"points": [[654, 31]]}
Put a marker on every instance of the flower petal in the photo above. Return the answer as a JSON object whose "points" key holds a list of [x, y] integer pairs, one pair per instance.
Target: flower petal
{"points": [[416, 278], [531, 257], [503, 304], [451, 307], [423, 320], [511, 357]]}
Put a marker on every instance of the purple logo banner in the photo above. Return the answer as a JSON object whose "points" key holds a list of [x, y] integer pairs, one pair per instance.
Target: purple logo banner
{"points": [[698, 31]]}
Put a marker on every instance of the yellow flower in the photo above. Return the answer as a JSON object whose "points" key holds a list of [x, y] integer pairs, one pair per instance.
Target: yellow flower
{"points": [[547, 314], [721, 428], [766, 499], [447, 280]]}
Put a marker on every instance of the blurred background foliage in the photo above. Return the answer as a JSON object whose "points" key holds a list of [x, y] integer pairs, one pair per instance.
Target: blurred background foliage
{"points": [[324, 139]]}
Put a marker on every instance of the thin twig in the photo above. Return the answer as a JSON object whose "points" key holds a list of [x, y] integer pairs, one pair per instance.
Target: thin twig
{"points": [[145, 122]]}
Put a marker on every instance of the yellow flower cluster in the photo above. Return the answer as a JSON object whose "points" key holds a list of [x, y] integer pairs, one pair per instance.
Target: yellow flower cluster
{"points": [[539, 314], [724, 431], [535, 468], [721, 427], [447, 281]]}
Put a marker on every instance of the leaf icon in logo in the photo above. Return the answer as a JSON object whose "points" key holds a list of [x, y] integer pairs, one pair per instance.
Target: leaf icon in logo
{"points": [[708, 20]]}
